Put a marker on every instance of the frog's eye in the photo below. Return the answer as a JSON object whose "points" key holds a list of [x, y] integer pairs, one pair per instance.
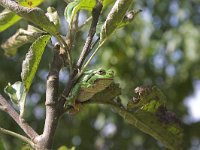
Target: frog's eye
{"points": [[101, 72]]}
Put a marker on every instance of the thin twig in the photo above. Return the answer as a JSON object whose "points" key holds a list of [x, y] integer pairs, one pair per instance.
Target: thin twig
{"points": [[86, 49], [19, 136], [30, 132]]}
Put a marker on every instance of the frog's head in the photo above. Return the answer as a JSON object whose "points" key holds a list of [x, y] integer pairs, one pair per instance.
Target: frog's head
{"points": [[101, 78], [103, 74]]}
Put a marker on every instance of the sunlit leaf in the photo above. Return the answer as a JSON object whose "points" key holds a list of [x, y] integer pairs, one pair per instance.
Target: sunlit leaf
{"points": [[20, 38], [8, 18], [114, 18], [32, 60], [30, 3], [73, 7]]}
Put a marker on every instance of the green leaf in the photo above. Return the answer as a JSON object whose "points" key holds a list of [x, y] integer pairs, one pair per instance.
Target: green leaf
{"points": [[20, 38], [114, 18], [52, 14], [73, 7], [29, 3], [19, 90], [34, 15], [17, 94], [169, 133], [15, 91], [8, 18], [32, 60], [152, 117]]}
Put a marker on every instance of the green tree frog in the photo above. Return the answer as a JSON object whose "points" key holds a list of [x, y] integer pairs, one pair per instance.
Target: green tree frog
{"points": [[90, 83]]}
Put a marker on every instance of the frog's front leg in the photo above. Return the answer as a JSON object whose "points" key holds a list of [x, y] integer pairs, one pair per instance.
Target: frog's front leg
{"points": [[71, 99]]}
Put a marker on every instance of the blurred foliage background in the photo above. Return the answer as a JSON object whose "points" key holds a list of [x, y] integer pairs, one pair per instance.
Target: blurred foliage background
{"points": [[160, 47]]}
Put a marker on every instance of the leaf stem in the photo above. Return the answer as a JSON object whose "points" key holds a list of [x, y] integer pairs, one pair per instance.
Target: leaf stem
{"points": [[82, 25], [19, 136], [92, 56]]}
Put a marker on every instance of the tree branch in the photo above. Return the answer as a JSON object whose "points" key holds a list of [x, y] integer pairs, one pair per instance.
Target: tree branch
{"points": [[52, 106], [86, 49], [114, 18], [30, 132]]}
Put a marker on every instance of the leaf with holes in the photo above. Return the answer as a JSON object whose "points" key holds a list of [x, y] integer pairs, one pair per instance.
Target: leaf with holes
{"points": [[150, 115]]}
